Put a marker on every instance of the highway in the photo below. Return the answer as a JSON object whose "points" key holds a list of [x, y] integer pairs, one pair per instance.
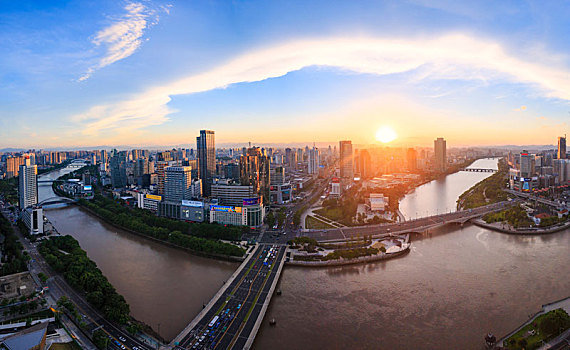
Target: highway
{"points": [[230, 321]]}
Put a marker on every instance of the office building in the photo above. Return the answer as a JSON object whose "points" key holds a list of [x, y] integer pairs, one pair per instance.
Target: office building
{"points": [[28, 186], [346, 166], [178, 183], [118, 166], [527, 165], [254, 169], [161, 175], [13, 166], [561, 148], [412, 160], [231, 194], [440, 150], [206, 147], [313, 161]]}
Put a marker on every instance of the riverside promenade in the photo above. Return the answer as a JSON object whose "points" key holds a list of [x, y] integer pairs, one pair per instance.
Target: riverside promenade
{"points": [[528, 231], [563, 338]]}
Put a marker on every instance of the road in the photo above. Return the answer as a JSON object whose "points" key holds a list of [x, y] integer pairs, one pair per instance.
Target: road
{"points": [[406, 226], [58, 287], [231, 319]]}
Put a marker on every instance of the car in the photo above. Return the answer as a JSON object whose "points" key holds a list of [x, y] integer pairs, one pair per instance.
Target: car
{"points": [[136, 348], [122, 339]]}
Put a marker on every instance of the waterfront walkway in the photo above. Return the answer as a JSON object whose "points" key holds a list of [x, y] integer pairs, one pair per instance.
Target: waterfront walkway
{"points": [[233, 316], [562, 338]]}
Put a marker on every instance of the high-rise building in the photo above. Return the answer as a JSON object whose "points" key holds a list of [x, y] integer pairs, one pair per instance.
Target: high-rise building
{"points": [[527, 164], [206, 146], [440, 150], [362, 163], [178, 184], [28, 186], [161, 176], [314, 161], [254, 170], [277, 176], [233, 195], [346, 167], [412, 158], [562, 147], [13, 166], [118, 165]]}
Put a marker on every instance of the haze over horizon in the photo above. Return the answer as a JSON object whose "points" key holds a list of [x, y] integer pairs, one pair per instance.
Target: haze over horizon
{"points": [[76, 74]]}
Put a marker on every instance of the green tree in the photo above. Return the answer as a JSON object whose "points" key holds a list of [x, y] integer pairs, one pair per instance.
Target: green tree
{"points": [[270, 220], [100, 339]]}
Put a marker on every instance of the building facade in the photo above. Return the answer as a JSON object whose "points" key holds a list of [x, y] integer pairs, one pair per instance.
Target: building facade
{"points": [[206, 146]]}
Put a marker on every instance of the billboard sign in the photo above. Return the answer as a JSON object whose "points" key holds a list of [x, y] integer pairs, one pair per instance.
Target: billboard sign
{"points": [[193, 204], [153, 196], [225, 208], [250, 201], [87, 188]]}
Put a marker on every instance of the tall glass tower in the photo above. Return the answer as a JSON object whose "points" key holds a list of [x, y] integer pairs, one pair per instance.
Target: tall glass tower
{"points": [[206, 146]]}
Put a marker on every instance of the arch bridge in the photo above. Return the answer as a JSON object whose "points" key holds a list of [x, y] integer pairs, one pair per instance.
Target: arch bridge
{"points": [[57, 200]]}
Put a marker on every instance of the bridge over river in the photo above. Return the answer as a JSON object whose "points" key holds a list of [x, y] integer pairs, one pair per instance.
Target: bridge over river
{"points": [[233, 316], [416, 225]]}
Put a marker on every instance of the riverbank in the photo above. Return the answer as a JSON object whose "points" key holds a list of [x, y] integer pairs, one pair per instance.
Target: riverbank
{"points": [[546, 308], [166, 243], [343, 262], [508, 229]]}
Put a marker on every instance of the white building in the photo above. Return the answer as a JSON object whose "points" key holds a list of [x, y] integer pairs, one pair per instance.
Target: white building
{"points": [[314, 161], [378, 202], [33, 218], [28, 185]]}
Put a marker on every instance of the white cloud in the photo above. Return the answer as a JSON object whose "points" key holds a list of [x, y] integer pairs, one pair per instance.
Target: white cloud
{"points": [[448, 57], [520, 109], [122, 38]]}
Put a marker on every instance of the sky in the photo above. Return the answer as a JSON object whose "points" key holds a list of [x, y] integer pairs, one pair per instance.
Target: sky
{"points": [[145, 73]]}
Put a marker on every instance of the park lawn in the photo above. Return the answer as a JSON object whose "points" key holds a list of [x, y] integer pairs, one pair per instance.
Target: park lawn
{"points": [[312, 223], [533, 341]]}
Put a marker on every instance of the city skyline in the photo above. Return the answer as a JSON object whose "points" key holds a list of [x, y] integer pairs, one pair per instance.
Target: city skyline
{"points": [[154, 73]]}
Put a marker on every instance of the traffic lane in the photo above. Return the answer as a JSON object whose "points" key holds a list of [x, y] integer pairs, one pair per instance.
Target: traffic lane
{"points": [[252, 294], [201, 326], [248, 327], [86, 309]]}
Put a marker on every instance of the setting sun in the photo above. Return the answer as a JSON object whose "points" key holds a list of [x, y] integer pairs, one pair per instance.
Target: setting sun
{"points": [[386, 134]]}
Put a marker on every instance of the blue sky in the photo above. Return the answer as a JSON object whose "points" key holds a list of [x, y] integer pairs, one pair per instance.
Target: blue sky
{"points": [[143, 73]]}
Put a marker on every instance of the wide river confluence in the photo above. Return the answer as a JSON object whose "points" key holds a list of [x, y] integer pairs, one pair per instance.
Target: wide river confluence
{"points": [[455, 285]]}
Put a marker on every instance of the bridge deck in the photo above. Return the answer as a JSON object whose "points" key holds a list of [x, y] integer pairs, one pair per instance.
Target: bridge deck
{"points": [[232, 318], [417, 225]]}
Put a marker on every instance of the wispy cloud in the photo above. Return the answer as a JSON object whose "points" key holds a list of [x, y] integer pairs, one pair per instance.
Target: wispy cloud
{"points": [[123, 37], [449, 57], [520, 109]]}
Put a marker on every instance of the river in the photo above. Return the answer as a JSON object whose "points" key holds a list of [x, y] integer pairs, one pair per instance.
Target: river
{"points": [[455, 285], [165, 287]]}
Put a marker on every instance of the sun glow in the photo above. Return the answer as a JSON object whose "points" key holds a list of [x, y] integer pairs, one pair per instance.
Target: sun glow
{"points": [[386, 134]]}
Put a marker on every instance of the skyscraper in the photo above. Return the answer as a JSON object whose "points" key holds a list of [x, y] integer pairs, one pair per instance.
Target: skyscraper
{"points": [[412, 158], [28, 186], [254, 169], [314, 161], [439, 146], [527, 164], [13, 166], [562, 147], [206, 146], [178, 184], [346, 167], [118, 165]]}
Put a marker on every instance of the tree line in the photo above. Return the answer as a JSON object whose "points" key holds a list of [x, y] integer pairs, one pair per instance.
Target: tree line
{"points": [[199, 237], [65, 256]]}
